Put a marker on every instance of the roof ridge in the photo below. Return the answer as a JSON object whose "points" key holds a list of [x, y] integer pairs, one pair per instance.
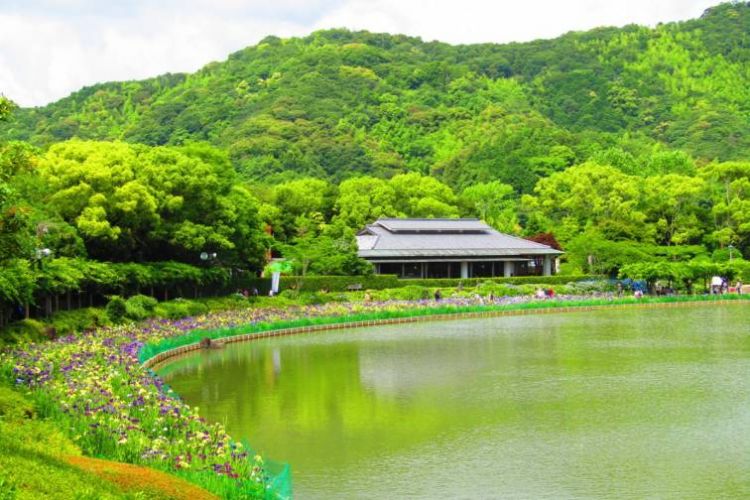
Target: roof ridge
{"points": [[431, 219]]}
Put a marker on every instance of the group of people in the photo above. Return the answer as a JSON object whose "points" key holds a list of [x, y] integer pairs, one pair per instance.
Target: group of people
{"points": [[720, 286], [544, 293]]}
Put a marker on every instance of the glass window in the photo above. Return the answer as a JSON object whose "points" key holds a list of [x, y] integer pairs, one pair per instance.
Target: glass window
{"points": [[454, 269], [522, 269], [481, 270], [499, 268], [391, 268], [438, 269], [413, 270]]}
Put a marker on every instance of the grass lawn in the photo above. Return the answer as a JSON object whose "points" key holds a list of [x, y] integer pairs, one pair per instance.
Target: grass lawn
{"points": [[38, 461]]}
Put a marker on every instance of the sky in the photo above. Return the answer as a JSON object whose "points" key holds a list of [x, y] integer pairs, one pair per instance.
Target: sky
{"points": [[50, 48]]}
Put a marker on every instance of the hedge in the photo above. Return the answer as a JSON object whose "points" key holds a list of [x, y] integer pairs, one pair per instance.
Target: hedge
{"points": [[317, 283], [22, 284], [515, 280], [384, 281]]}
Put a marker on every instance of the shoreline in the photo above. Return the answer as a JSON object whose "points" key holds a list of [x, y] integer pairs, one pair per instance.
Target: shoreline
{"points": [[330, 323]]}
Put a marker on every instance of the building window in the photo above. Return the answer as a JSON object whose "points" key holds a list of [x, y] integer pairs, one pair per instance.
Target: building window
{"points": [[498, 268], [481, 270], [438, 270], [454, 269], [390, 268], [522, 269], [413, 270]]}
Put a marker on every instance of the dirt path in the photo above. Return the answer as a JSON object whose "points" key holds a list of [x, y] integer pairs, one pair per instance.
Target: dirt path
{"points": [[135, 478]]}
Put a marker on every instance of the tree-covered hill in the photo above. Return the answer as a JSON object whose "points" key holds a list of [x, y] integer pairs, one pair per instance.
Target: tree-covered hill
{"points": [[339, 103]]}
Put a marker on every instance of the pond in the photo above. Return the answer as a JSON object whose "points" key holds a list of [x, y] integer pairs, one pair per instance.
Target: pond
{"points": [[612, 403]]}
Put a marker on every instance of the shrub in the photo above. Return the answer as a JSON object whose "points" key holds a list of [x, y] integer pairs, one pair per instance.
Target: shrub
{"points": [[319, 298], [404, 293], [289, 293], [180, 308], [171, 310], [26, 330], [116, 309], [387, 281], [196, 308], [234, 301], [591, 286], [139, 307], [13, 406], [67, 322]]}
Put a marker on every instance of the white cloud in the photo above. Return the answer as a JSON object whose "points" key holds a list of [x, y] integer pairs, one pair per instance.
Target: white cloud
{"points": [[473, 21], [50, 48]]}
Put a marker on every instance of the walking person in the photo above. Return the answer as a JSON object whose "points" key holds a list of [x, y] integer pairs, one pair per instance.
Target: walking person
{"points": [[738, 287]]}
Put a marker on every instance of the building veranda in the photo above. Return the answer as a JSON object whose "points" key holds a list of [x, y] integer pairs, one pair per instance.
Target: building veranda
{"points": [[451, 248]]}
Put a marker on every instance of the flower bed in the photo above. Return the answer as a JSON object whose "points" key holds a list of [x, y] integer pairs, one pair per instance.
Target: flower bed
{"points": [[94, 386]]}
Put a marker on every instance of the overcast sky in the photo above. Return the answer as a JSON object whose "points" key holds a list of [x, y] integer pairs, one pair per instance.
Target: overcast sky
{"points": [[50, 48]]}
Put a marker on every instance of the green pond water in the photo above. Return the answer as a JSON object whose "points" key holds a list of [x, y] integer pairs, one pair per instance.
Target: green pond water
{"points": [[630, 403]]}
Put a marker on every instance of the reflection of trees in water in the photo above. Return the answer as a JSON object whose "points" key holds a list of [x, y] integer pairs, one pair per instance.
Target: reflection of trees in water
{"points": [[312, 390]]}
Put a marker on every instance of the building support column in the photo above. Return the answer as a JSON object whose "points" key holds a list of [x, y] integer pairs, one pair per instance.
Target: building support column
{"points": [[509, 268], [464, 269], [547, 268]]}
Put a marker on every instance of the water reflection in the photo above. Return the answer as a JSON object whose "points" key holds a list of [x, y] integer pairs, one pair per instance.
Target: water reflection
{"points": [[612, 403]]}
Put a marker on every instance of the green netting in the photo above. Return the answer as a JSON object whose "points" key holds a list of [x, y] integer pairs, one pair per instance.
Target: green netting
{"points": [[278, 476], [280, 480]]}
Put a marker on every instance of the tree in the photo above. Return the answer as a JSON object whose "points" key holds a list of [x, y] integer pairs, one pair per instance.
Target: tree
{"points": [[591, 197], [675, 204], [730, 182], [142, 203], [422, 196], [6, 108], [303, 206], [15, 238], [494, 203], [326, 254], [363, 200]]}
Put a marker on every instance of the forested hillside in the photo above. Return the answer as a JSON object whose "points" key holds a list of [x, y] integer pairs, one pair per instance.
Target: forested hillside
{"points": [[337, 104], [629, 145]]}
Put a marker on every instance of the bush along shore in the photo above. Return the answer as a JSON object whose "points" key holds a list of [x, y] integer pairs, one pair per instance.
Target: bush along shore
{"points": [[94, 387], [371, 314]]}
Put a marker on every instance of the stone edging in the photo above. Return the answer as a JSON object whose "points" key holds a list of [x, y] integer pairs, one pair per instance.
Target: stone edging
{"points": [[178, 351]]}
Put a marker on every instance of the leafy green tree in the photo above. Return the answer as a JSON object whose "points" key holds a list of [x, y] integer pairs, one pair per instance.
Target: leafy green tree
{"points": [[591, 196], [302, 205], [675, 204], [592, 253], [6, 107], [493, 202], [363, 200], [135, 202], [731, 209], [15, 238], [423, 196], [326, 254]]}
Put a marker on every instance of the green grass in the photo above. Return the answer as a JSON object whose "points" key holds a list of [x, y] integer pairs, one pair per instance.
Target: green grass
{"points": [[153, 349], [31, 458], [37, 460]]}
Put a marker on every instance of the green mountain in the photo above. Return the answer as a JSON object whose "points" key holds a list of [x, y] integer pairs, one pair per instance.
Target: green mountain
{"points": [[338, 103]]}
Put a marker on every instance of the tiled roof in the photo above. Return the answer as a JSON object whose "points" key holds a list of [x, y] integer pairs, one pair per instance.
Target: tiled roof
{"points": [[442, 237], [443, 225]]}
